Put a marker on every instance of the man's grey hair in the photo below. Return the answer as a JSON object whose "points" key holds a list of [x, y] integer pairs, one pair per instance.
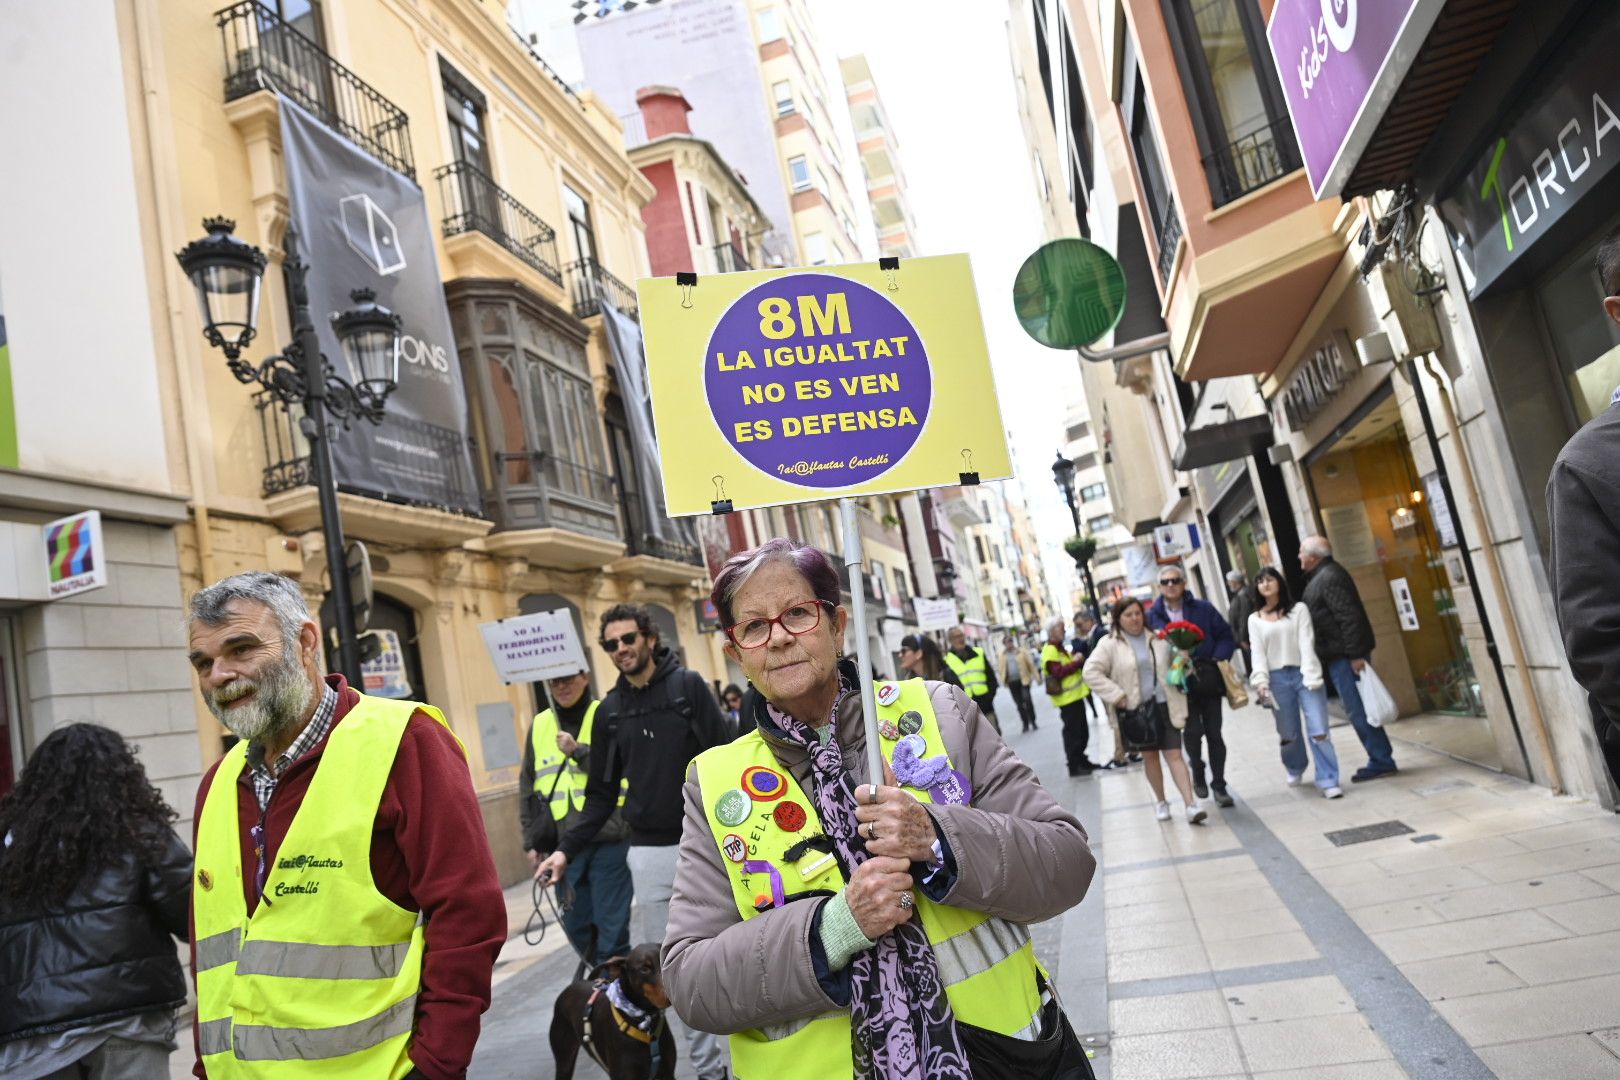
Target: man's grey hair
{"points": [[280, 594], [1317, 546], [1235, 577], [1059, 625]]}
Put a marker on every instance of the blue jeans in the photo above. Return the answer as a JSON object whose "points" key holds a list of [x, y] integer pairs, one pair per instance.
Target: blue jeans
{"points": [[1380, 754], [1292, 698], [600, 878]]}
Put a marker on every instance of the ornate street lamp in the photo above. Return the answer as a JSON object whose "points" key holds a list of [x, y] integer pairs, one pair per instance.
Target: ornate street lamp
{"points": [[1063, 476], [227, 273]]}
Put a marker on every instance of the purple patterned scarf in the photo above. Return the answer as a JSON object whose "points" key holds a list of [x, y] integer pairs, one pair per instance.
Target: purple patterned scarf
{"points": [[902, 1023]]}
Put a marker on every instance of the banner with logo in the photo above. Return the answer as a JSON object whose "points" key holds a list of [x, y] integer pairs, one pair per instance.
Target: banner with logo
{"points": [[363, 225], [75, 557], [935, 614], [785, 386]]}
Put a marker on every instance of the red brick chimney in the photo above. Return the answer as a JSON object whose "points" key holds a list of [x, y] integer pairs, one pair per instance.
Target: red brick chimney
{"points": [[663, 110]]}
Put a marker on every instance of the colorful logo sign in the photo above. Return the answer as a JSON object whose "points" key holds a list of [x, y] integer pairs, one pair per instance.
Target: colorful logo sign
{"points": [[75, 559]]}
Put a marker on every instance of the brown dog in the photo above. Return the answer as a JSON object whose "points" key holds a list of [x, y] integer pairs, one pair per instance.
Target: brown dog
{"points": [[586, 1017]]}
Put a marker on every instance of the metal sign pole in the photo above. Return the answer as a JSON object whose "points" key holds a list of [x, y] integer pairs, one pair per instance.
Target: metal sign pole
{"points": [[853, 560]]}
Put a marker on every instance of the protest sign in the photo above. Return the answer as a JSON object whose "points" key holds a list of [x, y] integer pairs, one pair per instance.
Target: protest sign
{"points": [[785, 386], [530, 648], [935, 614]]}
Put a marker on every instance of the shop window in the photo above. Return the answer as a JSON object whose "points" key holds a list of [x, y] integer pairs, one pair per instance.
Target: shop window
{"points": [[1585, 340]]}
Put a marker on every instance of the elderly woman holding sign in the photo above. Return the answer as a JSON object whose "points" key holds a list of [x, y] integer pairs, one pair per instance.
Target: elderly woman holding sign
{"points": [[839, 924]]}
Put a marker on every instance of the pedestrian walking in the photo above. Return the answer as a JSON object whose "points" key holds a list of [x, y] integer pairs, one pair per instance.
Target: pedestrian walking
{"points": [[1018, 672], [657, 718], [341, 825], [1066, 686], [975, 671], [921, 657], [551, 787], [94, 887], [1288, 676], [1128, 668], [1087, 634], [1238, 612], [1206, 690], [850, 950], [1344, 642], [731, 707], [1583, 515]]}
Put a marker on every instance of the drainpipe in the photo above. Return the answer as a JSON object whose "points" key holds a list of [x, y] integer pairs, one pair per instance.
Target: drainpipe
{"points": [[1128, 351], [1493, 565]]}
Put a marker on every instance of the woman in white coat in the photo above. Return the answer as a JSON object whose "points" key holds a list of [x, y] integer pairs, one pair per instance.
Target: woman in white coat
{"points": [[1128, 668], [1288, 676]]}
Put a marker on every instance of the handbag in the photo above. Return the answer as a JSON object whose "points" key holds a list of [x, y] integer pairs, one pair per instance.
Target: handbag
{"points": [[1237, 695], [1206, 680], [1137, 727], [1054, 686]]}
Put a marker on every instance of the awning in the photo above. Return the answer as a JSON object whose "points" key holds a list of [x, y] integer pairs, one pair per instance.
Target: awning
{"points": [[1216, 443]]}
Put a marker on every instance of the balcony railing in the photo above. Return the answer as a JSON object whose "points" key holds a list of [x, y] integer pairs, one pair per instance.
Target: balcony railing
{"points": [[681, 546], [537, 490], [1169, 240], [1252, 162], [264, 53], [728, 259], [593, 286], [473, 202]]}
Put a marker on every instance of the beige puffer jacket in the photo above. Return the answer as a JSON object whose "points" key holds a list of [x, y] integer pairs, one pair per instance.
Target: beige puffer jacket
{"points": [[1020, 856], [1111, 671]]}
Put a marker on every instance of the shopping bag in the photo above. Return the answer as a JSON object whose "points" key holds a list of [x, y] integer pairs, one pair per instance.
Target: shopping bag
{"points": [[1376, 698], [1237, 695]]}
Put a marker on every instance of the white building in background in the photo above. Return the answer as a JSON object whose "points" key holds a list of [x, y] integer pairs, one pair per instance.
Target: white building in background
{"points": [[1082, 444]]}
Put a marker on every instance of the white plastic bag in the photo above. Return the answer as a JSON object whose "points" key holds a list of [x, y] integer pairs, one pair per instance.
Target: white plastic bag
{"points": [[1376, 698]]}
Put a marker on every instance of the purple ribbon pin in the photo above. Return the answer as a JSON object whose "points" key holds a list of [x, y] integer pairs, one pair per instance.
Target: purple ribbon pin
{"points": [[760, 866], [943, 783]]}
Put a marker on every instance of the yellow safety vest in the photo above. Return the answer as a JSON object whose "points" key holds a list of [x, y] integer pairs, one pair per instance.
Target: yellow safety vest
{"points": [[974, 673], [1074, 685], [987, 964], [551, 764], [321, 981]]}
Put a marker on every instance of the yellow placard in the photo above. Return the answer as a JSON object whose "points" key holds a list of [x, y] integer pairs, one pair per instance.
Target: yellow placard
{"points": [[784, 386]]}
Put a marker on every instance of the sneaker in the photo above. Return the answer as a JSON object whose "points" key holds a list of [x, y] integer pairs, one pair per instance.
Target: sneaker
{"points": [[1195, 815], [1334, 792], [1161, 811], [1221, 797], [1135, 759], [1293, 779], [1113, 765], [1367, 772], [1200, 788]]}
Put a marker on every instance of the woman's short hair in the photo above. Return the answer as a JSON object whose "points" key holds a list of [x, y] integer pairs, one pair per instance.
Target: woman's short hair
{"points": [[1121, 606], [1285, 596], [813, 564]]}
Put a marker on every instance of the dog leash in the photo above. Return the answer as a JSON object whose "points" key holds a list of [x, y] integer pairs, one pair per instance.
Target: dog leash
{"points": [[537, 917]]}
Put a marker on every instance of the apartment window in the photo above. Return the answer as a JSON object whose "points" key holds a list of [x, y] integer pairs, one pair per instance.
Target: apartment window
{"points": [[1084, 462], [815, 249], [821, 176], [1078, 431], [1099, 523], [799, 172], [900, 589], [770, 25], [579, 224], [1076, 129], [466, 110], [1041, 183], [1093, 492], [1161, 206], [1237, 104], [783, 93], [866, 117]]}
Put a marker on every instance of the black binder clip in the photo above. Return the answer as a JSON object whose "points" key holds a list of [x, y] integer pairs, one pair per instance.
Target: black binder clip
{"points": [[891, 265], [687, 281], [968, 476], [719, 504]]}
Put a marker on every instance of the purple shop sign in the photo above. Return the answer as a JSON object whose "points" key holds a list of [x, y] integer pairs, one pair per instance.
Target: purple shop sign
{"points": [[1340, 63], [818, 380]]}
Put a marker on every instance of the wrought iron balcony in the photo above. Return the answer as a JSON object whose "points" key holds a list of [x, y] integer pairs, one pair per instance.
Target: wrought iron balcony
{"points": [[728, 259], [538, 490], [1169, 240], [593, 287], [473, 202], [681, 546], [1252, 162], [264, 53]]}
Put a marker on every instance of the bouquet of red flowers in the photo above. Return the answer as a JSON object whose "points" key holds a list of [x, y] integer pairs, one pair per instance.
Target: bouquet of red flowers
{"points": [[1183, 635]]}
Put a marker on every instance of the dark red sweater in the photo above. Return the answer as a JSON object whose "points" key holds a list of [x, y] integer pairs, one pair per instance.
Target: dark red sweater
{"points": [[428, 853]]}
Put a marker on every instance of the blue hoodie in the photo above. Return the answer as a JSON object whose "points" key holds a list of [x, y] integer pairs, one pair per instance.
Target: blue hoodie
{"points": [[1218, 643]]}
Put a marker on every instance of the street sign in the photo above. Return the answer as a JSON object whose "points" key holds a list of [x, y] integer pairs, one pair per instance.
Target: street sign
{"points": [[935, 614], [1069, 293], [75, 556], [530, 648], [786, 386]]}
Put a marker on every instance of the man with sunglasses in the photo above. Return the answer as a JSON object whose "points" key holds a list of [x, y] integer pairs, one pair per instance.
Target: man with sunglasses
{"points": [[656, 719], [1206, 691]]}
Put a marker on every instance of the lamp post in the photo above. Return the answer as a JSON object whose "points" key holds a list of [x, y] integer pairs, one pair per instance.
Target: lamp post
{"points": [[227, 272], [1063, 475], [1081, 548]]}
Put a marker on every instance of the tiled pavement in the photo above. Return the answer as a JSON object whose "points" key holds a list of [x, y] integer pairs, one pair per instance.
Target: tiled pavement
{"points": [[1484, 942]]}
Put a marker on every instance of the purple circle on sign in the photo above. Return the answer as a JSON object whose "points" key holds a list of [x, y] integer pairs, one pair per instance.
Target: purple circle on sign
{"points": [[818, 380]]}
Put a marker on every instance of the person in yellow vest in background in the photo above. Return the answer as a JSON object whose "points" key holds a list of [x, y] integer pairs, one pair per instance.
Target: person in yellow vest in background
{"points": [[978, 675], [822, 916], [345, 911], [551, 795], [1067, 688]]}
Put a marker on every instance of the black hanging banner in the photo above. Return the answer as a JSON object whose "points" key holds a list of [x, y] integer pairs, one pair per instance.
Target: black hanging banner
{"points": [[363, 225]]}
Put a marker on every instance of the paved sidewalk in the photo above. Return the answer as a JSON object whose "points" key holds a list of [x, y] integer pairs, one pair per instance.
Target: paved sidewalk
{"points": [[1483, 939]]}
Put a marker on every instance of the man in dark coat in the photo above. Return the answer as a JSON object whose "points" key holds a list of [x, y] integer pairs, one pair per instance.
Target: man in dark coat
{"points": [[1344, 641], [1238, 612], [1206, 700], [1583, 513]]}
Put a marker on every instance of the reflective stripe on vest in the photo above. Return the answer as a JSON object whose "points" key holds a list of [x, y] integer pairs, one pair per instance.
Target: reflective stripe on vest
{"points": [[987, 965], [974, 673], [1074, 684], [326, 967]]}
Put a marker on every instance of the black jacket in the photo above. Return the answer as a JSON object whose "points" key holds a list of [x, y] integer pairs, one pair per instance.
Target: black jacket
{"points": [[106, 952], [1238, 612], [1583, 512], [648, 736], [1343, 631], [540, 830]]}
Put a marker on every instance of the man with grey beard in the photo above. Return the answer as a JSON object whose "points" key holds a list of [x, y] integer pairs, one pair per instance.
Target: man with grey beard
{"points": [[339, 840]]}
